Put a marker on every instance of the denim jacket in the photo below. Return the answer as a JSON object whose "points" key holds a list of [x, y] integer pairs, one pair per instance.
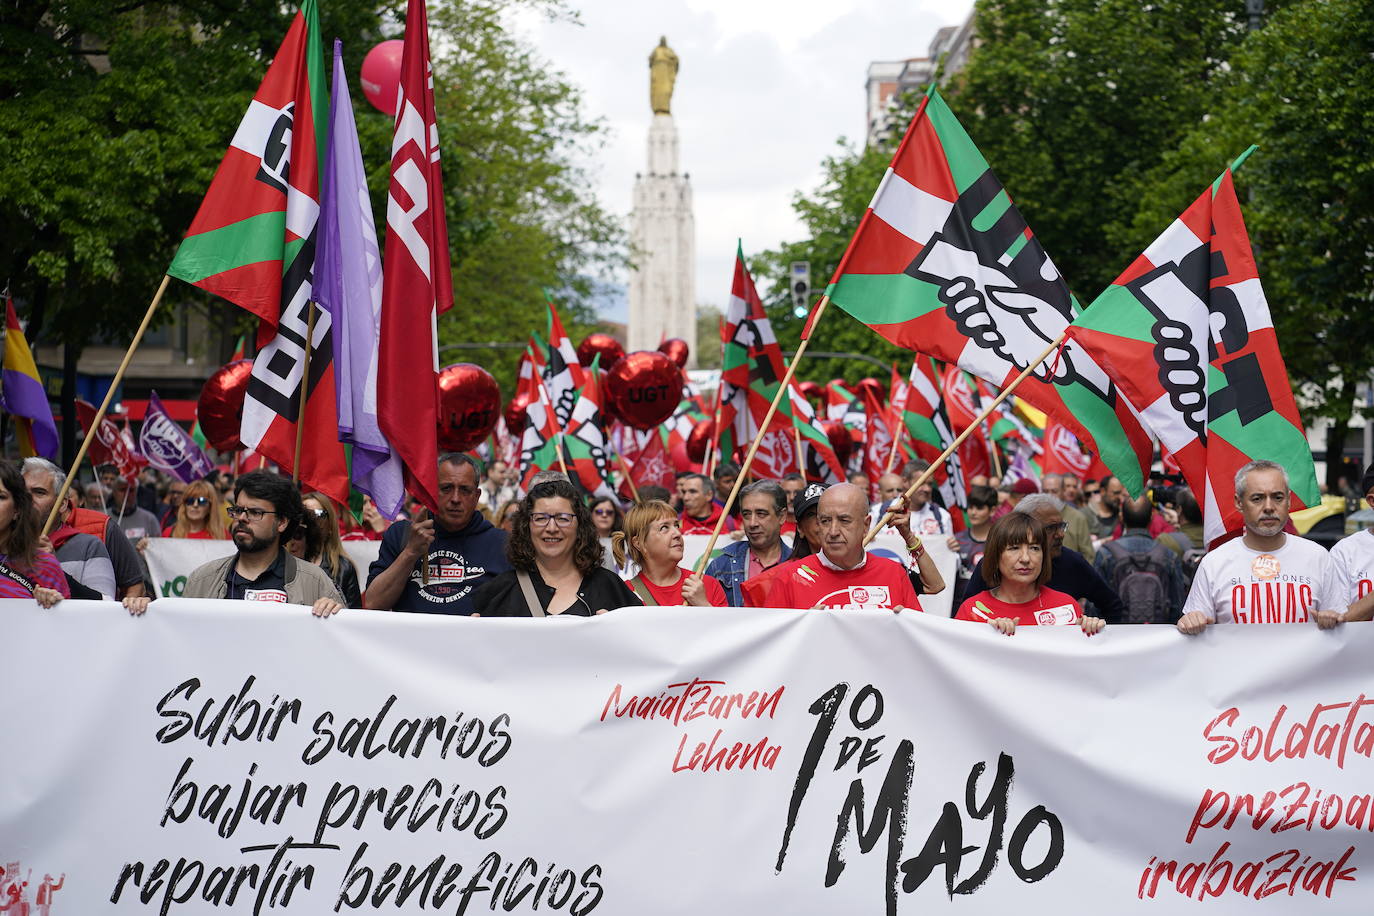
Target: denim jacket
{"points": [[732, 567]]}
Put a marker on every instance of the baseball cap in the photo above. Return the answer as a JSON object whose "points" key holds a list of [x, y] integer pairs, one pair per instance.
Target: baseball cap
{"points": [[1025, 487], [807, 500]]}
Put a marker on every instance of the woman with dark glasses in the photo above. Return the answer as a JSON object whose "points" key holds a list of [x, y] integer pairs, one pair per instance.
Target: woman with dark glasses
{"points": [[606, 516], [200, 516], [329, 554]]}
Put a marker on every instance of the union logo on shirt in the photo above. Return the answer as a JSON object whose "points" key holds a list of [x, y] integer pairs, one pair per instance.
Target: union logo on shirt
{"points": [[858, 596], [450, 576], [265, 594], [1057, 616], [1265, 566]]}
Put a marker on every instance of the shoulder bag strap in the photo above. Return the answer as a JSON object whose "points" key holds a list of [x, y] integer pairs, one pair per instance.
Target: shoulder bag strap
{"points": [[527, 589], [6, 569], [642, 591]]}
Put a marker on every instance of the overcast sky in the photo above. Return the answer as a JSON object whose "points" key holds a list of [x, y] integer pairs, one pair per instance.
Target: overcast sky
{"points": [[764, 89]]}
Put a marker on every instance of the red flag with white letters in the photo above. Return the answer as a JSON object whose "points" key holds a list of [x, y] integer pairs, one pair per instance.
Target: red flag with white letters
{"points": [[417, 284]]}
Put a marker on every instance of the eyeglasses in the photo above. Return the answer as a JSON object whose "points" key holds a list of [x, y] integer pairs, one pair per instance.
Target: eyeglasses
{"points": [[603, 512], [318, 513], [198, 501], [252, 514], [561, 519], [1057, 526]]}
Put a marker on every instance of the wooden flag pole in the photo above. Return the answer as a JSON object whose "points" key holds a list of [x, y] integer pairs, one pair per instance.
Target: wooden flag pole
{"points": [[996, 460], [784, 387], [629, 478], [959, 440], [801, 457], [105, 404], [305, 392]]}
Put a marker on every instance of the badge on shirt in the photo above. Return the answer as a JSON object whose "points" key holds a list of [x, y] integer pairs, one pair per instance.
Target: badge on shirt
{"points": [[264, 594], [1265, 566], [1060, 616], [858, 596]]}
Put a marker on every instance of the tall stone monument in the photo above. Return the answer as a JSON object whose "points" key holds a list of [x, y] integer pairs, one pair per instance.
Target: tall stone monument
{"points": [[662, 229]]}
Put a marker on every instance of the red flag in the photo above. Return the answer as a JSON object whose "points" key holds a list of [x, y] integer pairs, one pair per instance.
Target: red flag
{"points": [[878, 441], [109, 446], [654, 468], [417, 283], [959, 403]]}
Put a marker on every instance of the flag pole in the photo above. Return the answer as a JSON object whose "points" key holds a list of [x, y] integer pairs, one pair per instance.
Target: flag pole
{"points": [[105, 404], [629, 478], [784, 388], [992, 453], [801, 458], [305, 391], [968, 431]]}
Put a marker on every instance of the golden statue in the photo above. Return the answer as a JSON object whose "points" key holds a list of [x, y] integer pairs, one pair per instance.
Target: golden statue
{"points": [[662, 73]]}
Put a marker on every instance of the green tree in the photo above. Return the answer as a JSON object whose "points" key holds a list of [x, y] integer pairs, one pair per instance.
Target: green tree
{"points": [[1302, 88], [708, 337], [522, 214]]}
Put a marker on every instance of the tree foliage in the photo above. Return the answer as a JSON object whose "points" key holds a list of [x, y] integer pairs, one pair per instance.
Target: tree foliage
{"points": [[115, 117], [1104, 119]]}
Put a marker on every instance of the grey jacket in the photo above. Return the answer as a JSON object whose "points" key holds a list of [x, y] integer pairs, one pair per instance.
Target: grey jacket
{"points": [[306, 583]]}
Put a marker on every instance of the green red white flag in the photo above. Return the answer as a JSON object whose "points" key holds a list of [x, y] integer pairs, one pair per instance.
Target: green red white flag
{"points": [[751, 370], [563, 374], [944, 264], [1187, 335], [539, 443], [584, 441], [819, 463], [928, 429], [253, 242]]}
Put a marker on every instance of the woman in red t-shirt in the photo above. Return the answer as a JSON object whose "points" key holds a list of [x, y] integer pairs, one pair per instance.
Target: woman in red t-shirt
{"points": [[201, 514], [1016, 566], [652, 538]]}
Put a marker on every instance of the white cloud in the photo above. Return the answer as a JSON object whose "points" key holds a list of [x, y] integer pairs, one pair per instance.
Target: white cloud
{"points": [[764, 89]]}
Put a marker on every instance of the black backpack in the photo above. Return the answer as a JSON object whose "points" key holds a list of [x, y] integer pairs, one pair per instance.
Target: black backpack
{"points": [[1142, 582]]}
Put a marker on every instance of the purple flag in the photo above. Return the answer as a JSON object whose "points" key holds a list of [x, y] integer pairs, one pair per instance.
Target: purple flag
{"points": [[348, 284], [170, 448]]}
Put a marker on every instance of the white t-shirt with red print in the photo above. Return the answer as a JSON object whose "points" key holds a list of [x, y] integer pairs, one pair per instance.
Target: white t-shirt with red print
{"points": [[1353, 558], [1236, 584]]}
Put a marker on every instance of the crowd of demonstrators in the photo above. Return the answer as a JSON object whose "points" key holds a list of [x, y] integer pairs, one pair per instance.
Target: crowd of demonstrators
{"points": [[1016, 568], [553, 562], [490, 549], [652, 541]]}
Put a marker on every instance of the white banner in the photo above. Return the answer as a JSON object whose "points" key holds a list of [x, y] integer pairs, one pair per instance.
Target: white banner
{"points": [[171, 560], [233, 757]]}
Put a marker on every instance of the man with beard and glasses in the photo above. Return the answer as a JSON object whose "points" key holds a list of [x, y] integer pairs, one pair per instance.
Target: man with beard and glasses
{"points": [[1265, 575], [265, 513]]}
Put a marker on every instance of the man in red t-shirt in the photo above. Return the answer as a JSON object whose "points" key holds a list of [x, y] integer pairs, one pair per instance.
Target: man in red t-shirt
{"points": [[699, 510], [843, 575]]}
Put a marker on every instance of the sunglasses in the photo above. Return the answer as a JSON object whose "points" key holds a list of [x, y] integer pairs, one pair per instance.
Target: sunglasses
{"points": [[198, 501], [603, 512], [318, 513]]}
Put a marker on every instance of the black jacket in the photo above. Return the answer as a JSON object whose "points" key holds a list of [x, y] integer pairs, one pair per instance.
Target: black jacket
{"points": [[601, 590]]}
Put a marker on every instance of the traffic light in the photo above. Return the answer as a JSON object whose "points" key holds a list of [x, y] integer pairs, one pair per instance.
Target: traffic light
{"points": [[801, 288]]}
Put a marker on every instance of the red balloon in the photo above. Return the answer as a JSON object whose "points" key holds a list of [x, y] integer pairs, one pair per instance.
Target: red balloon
{"points": [[515, 414], [607, 346], [644, 387], [840, 440], [381, 75], [469, 405], [677, 350], [699, 439], [220, 408]]}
